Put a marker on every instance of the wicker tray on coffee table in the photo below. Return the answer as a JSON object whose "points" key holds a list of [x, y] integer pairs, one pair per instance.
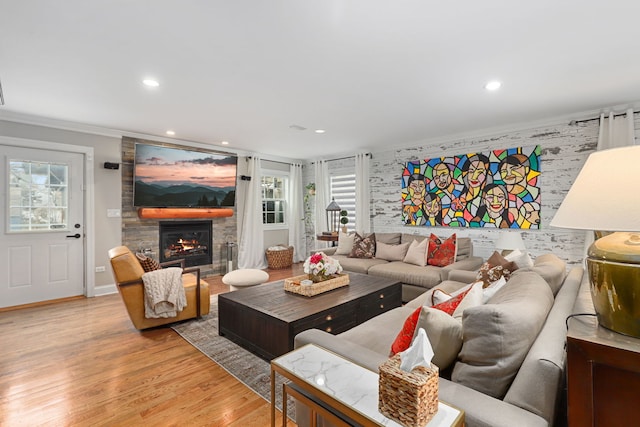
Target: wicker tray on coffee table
{"points": [[293, 285]]}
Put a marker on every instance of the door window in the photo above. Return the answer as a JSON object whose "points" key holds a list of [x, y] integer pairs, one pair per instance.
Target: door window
{"points": [[38, 196]]}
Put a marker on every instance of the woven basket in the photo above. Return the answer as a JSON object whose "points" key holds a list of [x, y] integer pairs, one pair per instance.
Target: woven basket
{"points": [[410, 398], [278, 259]]}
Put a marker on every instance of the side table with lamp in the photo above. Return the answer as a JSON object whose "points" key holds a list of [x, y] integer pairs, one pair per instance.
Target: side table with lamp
{"points": [[604, 364]]}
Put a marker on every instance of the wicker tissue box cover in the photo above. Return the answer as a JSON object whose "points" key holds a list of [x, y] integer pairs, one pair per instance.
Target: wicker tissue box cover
{"points": [[410, 398], [293, 285]]}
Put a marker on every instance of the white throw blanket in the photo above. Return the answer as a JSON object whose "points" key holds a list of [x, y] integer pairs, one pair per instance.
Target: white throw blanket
{"points": [[164, 294]]}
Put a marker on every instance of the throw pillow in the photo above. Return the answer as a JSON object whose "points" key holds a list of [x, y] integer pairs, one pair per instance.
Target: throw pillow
{"points": [[345, 243], [363, 247], [403, 340], [494, 287], [148, 264], [452, 304], [391, 252], [439, 296], [522, 259], [444, 333], [472, 298], [495, 268], [441, 253], [416, 254]]}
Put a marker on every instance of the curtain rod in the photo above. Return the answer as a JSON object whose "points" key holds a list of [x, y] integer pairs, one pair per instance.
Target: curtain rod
{"points": [[274, 161], [343, 158], [575, 122]]}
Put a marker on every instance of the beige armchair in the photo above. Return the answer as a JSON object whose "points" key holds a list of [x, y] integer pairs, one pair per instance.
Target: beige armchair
{"points": [[128, 272]]}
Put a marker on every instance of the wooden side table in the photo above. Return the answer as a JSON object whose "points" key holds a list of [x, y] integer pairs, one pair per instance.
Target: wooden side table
{"points": [[603, 369], [335, 387], [333, 238]]}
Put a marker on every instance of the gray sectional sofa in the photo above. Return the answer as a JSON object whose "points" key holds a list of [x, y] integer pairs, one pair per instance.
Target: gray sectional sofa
{"points": [[415, 279], [511, 367]]}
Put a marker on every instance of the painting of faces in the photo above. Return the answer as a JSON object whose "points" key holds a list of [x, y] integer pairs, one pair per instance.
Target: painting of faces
{"points": [[495, 189]]}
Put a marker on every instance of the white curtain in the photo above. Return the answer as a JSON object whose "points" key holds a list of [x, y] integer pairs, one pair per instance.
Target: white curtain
{"points": [[323, 192], [295, 213], [251, 248], [615, 131], [363, 196]]}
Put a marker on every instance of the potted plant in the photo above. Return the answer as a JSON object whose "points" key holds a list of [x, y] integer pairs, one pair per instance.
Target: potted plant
{"points": [[344, 219]]}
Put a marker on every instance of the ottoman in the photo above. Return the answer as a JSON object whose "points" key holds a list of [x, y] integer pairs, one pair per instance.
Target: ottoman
{"points": [[244, 278]]}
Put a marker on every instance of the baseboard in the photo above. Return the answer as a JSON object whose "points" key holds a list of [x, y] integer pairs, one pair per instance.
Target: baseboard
{"points": [[105, 290]]}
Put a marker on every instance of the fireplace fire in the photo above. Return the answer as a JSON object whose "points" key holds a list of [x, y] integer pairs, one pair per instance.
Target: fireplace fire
{"points": [[188, 240]]}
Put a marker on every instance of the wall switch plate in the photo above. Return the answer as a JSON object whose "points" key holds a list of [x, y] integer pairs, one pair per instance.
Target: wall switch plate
{"points": [[113, 213], [100, 269]]}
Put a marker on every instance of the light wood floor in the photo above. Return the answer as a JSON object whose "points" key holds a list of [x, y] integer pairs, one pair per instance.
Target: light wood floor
{"points": [[80, 362]]}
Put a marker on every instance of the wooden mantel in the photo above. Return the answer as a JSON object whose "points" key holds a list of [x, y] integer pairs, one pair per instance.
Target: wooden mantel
{"points": [[164, 213]]}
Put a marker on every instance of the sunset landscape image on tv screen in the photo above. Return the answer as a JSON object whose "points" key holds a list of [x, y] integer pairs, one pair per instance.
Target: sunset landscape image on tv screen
{"points": [[174, 177]]}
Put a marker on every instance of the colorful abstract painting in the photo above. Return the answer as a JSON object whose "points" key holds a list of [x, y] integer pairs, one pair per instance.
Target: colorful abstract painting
{"points": [[494, 189]]}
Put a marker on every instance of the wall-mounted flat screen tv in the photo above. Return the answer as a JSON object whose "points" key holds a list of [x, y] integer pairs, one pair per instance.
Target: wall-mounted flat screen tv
{"points": [[181, 177]]}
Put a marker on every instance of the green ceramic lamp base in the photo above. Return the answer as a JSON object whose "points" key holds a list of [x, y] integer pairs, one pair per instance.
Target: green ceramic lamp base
{"points": [[614, 273]]}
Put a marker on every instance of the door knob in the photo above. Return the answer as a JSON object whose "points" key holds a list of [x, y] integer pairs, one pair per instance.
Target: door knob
{"points": [[77, 235]]}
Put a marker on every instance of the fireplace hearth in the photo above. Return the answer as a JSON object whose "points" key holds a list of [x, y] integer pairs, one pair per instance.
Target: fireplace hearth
{"points": [[188, 240]]}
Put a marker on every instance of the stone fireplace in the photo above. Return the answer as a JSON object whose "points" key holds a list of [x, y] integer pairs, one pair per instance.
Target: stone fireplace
{"points": [[188, 240], [142, 234]]}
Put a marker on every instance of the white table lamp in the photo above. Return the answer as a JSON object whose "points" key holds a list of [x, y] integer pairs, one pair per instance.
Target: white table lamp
{"points": [[509, 241], [604, 197]]}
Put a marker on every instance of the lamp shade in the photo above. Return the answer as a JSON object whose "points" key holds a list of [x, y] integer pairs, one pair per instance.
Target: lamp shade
{"points": [[510, 241], [604, 196]]}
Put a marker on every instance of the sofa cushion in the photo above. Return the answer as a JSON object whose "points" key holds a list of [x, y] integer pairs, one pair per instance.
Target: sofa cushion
{"points": [[378, 333], [444, 333], [426, 277], [552, 269], [406, 237], [498, 335], [417, 253], [464, 248], [388, 238], [448, 286], [358, 265], [345, 243], [441, 252], [363, 246], [391, 252]]}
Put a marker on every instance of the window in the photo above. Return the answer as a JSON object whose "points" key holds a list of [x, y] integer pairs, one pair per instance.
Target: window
{"points": [[38, 196], [343, 190], [273, 200]]}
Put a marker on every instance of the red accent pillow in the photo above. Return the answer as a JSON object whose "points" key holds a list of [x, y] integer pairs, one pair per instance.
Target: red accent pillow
{"points": [[450, 305], [403, 340], [441, 253]]}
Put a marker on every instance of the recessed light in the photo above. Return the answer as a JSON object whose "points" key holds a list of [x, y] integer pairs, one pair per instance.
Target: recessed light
{"points": [[320, 131], [225, 143], [170, 133], [151, 82], [493, 85]]}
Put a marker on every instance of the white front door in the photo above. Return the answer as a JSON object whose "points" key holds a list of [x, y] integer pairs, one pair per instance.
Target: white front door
{"points": [[42, 220]]}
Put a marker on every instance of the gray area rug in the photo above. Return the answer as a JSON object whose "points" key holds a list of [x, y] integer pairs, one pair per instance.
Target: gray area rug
{"points": [[245, 366]]}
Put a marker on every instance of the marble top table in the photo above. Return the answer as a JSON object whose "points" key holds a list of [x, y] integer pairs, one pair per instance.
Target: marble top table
{"points": [[344, 386]]}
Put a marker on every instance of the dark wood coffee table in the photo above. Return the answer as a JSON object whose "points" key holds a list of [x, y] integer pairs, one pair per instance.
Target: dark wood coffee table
{"points": [[264, 319]]}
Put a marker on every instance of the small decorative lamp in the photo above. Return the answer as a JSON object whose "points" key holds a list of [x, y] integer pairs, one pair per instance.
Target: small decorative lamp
{"points": [[604, 198], [333, 214], [509, 241]]}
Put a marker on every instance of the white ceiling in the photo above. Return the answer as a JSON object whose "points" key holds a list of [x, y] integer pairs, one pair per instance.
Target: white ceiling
{"points": [[372, 73]]}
